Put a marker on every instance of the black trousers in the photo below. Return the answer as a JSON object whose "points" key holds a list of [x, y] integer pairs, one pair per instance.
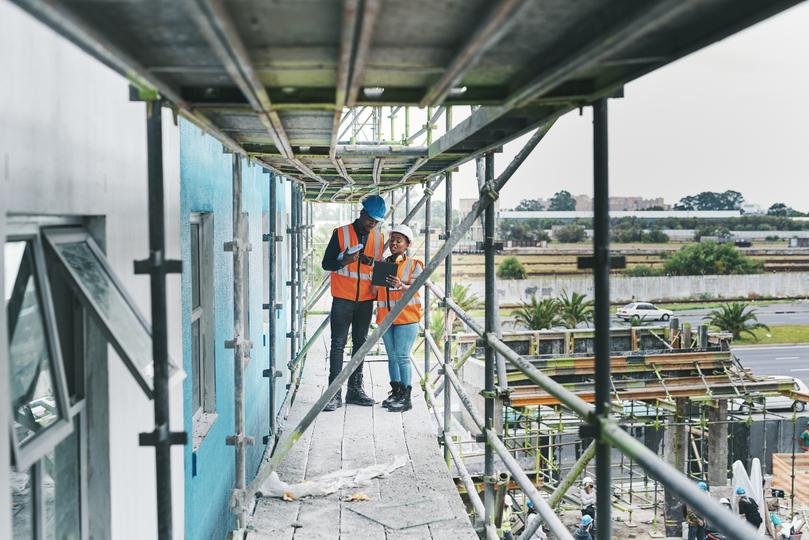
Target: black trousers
{"points": [[345, 314]]}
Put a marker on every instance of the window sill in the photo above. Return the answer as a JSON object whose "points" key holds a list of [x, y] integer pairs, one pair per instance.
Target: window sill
{"points": [[201, 425]]}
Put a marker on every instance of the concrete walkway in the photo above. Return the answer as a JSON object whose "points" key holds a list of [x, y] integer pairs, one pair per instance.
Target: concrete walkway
{"points": [[418, 500]]}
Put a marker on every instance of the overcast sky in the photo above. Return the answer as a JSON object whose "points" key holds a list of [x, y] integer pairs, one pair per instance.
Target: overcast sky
{"points": [[732, 116]]}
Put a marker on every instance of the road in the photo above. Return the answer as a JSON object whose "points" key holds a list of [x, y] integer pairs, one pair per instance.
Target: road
{"points": [[787, 360], [769, 314]]}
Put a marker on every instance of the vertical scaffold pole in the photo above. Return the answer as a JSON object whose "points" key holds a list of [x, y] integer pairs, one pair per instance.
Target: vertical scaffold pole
{"points": [[427, 215], [157, 267], [601, 275], [447, 294], [240, 343], [270, 307], [488, 251], [293, 272], [299, 268]]}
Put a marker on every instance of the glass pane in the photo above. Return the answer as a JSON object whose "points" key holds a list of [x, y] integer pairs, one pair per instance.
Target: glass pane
{"points": [[62, 490], [32, 386], [195, 296], [22, 505], [111, 305], [196, 368]]}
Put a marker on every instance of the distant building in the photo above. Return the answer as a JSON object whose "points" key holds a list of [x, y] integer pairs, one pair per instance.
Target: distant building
{"points": [[585, 203], [752, 209], [640, 214]]}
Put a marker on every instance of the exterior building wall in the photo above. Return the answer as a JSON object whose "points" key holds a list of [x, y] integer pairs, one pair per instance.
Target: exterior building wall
{"points": [[72, 144], [206, 186]]}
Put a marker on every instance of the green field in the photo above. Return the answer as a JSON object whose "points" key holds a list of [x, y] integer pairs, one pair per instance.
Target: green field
{"points": [[787, 333]]}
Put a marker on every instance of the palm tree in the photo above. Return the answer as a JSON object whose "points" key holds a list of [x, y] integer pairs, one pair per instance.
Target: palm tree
{"points": [[466, 300], [575, 309], [537, 315], [736, 318]]}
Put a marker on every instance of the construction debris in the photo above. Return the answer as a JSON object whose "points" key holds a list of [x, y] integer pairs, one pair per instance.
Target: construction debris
{"points": [[329, 483]]}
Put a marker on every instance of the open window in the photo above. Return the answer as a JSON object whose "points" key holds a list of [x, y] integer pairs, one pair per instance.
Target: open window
{"points": [[106, 300], [38, 388]]}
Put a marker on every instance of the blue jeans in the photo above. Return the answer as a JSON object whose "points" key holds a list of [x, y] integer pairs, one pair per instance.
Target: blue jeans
{"points": [[399, 340]]}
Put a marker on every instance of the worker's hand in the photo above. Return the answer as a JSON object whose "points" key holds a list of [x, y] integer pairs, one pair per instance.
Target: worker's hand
{"points": [[394, 282], [348, 259]]}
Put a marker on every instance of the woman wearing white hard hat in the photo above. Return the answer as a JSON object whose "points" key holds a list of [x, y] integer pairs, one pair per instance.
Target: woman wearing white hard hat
{"points": [[402, 334]]}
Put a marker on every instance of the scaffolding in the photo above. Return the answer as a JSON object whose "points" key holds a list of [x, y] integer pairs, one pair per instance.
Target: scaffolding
{"points": [[542, 418]]}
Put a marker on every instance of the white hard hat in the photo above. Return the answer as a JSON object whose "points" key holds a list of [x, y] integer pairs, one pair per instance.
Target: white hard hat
{"points": [[725, 501], [404, 230], [587, 480]]}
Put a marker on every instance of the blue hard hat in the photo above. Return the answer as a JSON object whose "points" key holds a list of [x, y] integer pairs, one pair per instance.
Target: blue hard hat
{"points": [[586, 520], [703, 486], [740, 491], [530, 504], [375, 207]]}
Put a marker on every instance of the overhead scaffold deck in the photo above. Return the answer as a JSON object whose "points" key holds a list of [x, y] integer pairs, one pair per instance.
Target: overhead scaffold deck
{"points": [[303, 88]]}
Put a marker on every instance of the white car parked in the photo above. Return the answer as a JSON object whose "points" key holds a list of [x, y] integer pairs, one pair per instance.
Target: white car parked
{"points": [[641, 311], [777, 402]]}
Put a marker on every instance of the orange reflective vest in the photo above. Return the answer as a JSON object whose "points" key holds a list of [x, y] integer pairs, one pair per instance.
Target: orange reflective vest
{"points": [[408, 269], [353, 281]]}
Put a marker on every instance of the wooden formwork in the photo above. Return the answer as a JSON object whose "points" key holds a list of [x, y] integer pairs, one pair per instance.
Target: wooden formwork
{"points": [[782, 475]]}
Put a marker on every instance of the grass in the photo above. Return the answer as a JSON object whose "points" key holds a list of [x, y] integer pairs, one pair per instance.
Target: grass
{"points": [[787, 333]]}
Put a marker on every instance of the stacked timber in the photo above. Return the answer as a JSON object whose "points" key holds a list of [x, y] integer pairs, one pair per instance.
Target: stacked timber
{"points": [[782, 475]]}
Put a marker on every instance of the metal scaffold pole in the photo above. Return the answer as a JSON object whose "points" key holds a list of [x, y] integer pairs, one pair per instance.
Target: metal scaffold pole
{"points": [[299, 268], [601, 315], [427, 215], [447, 293], [293, 272], [157, 266], [270, 306], [447, 324], [489, 359], [240, 343]]}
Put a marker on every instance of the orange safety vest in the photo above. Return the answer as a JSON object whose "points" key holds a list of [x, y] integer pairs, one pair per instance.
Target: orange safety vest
{"points": [[407, 270], [353, 281]]}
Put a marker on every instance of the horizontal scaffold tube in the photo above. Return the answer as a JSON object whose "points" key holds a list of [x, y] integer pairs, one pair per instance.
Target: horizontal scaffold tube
{"points": [[488, 196]]}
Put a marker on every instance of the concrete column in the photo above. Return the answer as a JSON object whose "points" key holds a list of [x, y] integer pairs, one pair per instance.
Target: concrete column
{"points": [[675, 452], [718, 444]]}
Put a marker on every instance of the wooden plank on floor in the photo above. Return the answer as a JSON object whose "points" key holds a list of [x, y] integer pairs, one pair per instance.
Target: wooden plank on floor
{"points": [[358, 452], [432, 477], [275, 518], [400, 486]]}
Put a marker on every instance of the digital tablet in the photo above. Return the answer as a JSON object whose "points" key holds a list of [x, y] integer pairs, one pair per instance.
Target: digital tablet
{"points": [[381, 272]]}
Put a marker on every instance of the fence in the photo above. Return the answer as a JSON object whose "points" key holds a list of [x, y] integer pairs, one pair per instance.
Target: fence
{"points": [[658, 289]]}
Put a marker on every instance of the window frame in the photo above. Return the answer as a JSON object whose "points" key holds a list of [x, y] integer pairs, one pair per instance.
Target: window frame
{"points": [[203, 417], [25, 455], [64, 235]]}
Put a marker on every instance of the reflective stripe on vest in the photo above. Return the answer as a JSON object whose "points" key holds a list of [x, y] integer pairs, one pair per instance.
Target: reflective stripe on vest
{"points": [[407, 271], [353, 281]]}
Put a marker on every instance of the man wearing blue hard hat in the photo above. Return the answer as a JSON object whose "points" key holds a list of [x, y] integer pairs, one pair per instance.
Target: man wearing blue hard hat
{"points": [[350, 257]]}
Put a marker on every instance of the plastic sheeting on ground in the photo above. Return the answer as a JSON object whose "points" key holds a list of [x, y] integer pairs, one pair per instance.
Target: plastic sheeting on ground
{"points": [[753, 486], [329, 483]]}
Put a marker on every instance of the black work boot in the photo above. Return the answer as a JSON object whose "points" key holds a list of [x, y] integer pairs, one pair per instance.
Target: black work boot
{"points": [[355, 394], [393, 396], [335, 402], [404, 403]]}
